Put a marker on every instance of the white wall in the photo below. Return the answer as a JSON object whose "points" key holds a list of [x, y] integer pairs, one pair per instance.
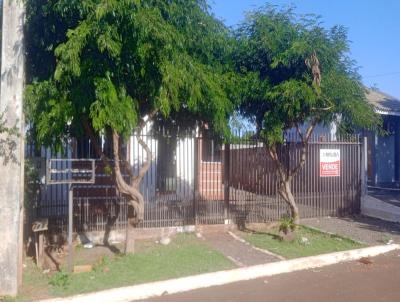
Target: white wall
{"points": [[184, 165], [138, 155]]}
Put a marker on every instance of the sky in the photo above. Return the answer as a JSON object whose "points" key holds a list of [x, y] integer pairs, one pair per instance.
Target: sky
{"points": [[373, 28]]}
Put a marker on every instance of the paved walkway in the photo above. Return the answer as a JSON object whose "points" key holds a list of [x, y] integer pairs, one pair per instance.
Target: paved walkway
{"points": [[354, 281], [368, 230], [242, 254], [391, 196]]}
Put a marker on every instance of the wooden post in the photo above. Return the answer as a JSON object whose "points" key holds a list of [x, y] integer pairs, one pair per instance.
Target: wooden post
{"points": [[41, 249], [37, 248]]}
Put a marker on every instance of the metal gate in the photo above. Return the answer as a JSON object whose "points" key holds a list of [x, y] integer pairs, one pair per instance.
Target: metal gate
{"points": [[252, 180]]}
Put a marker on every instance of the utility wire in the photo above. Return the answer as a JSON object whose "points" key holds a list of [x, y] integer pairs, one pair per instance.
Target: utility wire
{"points": [[383, 75]]}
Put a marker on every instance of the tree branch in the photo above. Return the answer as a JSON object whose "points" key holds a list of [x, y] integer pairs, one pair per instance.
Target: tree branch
{"points": [[304, 144], [146, 164], [322, 109], [275, 158], [125, 162], [135, 198]]}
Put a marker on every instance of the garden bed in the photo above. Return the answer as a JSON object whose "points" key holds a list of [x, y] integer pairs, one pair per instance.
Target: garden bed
{"points": [[307, 242]]}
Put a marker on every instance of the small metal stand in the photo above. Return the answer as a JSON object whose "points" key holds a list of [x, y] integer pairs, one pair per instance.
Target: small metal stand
{"points": [[71, 176], [39, 227]]}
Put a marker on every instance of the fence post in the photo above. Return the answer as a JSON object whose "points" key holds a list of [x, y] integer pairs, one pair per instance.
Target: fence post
{"points": [[226, 181], [364, 167], [195, 177], [70, 226]]}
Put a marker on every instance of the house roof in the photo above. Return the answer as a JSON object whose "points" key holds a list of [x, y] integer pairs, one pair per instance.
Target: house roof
{"points": [[383, 103]]}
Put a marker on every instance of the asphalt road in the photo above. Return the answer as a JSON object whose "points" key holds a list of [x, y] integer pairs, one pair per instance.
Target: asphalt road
{"points": [[354, 281]]}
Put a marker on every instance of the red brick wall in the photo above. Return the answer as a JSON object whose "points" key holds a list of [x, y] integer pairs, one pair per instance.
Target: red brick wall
{"points": [[210, 178]]}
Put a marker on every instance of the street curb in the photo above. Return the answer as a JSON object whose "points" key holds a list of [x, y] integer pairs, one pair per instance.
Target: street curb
{"points": [[174, 286]]}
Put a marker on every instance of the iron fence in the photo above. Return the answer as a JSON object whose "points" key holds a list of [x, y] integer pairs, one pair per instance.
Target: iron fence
{"points": [[199, 180], [253, 185]]}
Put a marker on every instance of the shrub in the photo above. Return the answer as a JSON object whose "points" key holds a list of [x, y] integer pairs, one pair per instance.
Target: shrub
{"points": [[60, 280]]}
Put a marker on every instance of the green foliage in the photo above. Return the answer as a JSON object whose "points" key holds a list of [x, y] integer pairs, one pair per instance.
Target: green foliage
{"points": [[7, 299], [278, 90], [101, 264], [286, 225], [113, 62], [108, 102], [60, 280], [108, 170], [8, 142], [32, 185]]}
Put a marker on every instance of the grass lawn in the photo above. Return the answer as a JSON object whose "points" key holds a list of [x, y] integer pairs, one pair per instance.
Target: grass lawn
{"points": [[35, 285], [316, 243], [185, 255]]}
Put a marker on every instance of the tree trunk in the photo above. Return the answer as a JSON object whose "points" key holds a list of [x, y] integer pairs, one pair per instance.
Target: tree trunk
{"points": [[286, 192], [285, 176], [129, 246], [130, 190]]}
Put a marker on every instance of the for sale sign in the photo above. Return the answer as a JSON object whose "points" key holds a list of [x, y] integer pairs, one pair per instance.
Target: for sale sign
{"points": [[329, 164]]}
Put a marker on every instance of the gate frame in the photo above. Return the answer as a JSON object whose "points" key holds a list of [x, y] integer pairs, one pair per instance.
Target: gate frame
{"points": [[69, 172]]}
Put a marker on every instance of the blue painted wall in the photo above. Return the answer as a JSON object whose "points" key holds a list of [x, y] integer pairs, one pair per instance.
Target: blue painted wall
{"points": [[384, 159]]}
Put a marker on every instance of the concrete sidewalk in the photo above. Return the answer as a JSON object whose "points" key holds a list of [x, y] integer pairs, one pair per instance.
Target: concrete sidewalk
{"points": [[388, 195], [353, 281], [364, 229], [241, 253]]}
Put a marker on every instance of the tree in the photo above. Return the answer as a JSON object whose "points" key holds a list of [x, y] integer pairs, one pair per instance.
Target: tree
{"points": [[297, 74], [107, 67]]}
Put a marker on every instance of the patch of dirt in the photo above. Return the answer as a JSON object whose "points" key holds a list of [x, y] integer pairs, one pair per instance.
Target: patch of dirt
{"points": [[56, 258]]}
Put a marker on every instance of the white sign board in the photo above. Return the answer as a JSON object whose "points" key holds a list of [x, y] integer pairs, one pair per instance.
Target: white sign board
{"points": [[329, 162]]}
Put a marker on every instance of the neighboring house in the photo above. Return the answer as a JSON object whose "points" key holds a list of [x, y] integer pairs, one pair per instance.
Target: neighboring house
{"points": [[384, 151]]}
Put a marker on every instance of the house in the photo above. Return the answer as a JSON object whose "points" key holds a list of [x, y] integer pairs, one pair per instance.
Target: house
{"points": [[185, 165], [384, 150], [196, 179]]}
